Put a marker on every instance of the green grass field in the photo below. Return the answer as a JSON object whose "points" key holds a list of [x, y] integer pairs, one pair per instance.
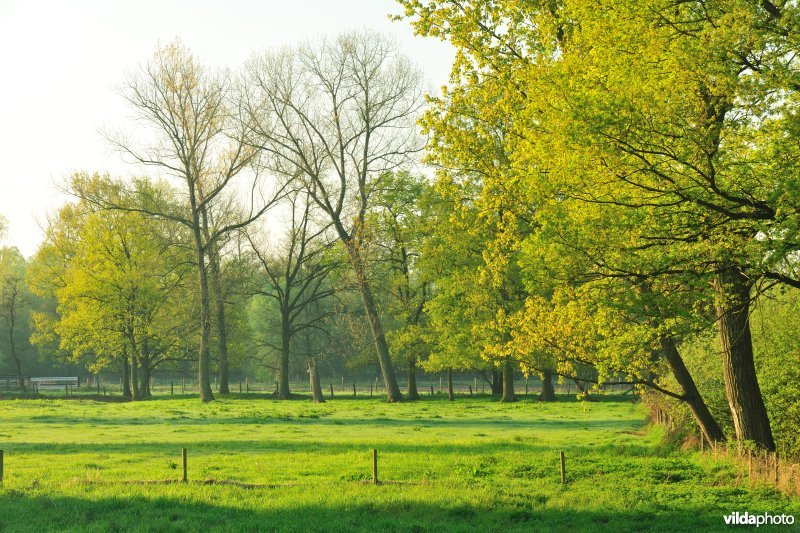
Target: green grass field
{"points": [[258, 464]]}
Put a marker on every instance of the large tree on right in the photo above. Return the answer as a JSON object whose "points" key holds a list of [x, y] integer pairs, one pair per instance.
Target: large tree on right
{"points": [[674, 120]]}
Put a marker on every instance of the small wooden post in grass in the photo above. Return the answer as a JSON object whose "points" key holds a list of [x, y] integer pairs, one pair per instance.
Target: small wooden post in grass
{"points": [[370, 387], [172, 388], [776, 468], [342, 382], [97, 379], [431, 390], [66, 389], [441, 387], [563, 469], [247, 384], [331, 390], [374, 466], [354, 389], [470, 390], [183, 460], [183, 385], [240, 386]]}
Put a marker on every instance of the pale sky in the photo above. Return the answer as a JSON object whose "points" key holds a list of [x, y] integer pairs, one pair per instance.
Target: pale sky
{"points": [[62, 60]]}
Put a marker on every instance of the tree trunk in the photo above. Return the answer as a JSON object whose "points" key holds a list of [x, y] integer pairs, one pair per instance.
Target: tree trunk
{"points": [[548, 393], [497, 382], [708, 425], [126, 377], [283, 384], [15, 357], [508, 382], [222, 335], [145, 387], [393, 393], [313, 376], [741, 384], [203, 368], [413, 393], [450, 395], [135, 379]]}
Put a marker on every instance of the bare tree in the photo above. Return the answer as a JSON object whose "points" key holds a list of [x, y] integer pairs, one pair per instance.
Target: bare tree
{"points": [[296, 279], [338, 115], [191, 114]]}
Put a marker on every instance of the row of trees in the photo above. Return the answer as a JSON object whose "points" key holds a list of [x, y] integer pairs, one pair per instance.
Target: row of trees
{"points": [[613, 181]]}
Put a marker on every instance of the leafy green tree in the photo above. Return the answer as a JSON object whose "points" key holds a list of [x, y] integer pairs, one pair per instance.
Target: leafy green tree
{"points": [[197, 138], [14, 308], [664, 117]]}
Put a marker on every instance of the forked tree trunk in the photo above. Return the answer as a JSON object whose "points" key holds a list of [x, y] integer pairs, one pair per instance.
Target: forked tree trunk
{"points": [[741, 384], [450, 395], [708, 425], [313, 376], [508, 382], [548, 393], [413, 393]]}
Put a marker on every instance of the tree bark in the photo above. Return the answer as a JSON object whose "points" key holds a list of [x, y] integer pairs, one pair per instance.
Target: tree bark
{"points": [[450, 395], [708, 425], [126, 376], [497, 382], [17, 362], [283, 384], [741, 384], [222, 335], [135, 379], [145, 382], [313, 376], [548, 393], [413, 393], [393, 393], [508, 382], [203, 367]]}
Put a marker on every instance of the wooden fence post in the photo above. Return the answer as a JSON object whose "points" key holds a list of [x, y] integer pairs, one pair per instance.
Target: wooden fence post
{"points": [[431, 390], [172, 388], [776, 469], [183, 459], [331, 390], [374, 466], [563, 469], [354, 389]]}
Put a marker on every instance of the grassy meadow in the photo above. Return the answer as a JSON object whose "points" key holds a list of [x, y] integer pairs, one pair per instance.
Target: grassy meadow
{"points": [[255, 463]]}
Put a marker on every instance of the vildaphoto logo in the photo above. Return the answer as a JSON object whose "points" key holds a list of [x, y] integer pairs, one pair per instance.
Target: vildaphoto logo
{"points": [[747, 519]]}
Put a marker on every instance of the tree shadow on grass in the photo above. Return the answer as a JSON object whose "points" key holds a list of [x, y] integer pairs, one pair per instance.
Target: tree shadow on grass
{"points": [[256, 510]]}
